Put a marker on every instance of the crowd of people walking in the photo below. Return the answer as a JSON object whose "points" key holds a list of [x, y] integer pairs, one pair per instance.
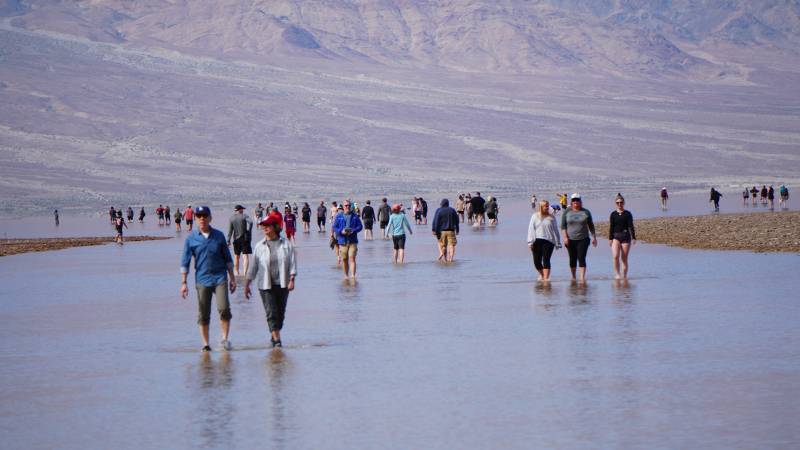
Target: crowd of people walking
{"points": [[271, 264]]}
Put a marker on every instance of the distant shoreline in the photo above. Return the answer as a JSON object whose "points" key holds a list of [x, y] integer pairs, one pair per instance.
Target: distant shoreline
{"points": [[10, 247], [759, 232]]}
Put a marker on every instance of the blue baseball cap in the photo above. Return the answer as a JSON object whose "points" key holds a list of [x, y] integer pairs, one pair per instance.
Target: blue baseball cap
{"points": [[202, 210]]}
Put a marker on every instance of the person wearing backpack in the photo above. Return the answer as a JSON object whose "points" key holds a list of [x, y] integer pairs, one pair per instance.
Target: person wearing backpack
{"points": [[119, 223], [784, 191]]}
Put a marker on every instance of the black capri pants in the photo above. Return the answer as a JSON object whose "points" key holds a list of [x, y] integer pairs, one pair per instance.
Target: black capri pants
{"points": [[577, 252], [275, 300], [542, 251], [320, 221]]}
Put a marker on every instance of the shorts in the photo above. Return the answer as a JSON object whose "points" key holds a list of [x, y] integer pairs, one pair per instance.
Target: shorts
{"points": [[242, 245], [447, 238], [204, 302], [290, 232], [349, 250], [399, 241], [491, 216], [418, 215], [368, 224], [189, 221], [623, 237], [320, 221], [383, 224]]}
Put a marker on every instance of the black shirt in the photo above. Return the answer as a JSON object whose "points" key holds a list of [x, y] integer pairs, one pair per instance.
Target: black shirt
{"points": [[368, 214], [620, 223], [477, 204]]}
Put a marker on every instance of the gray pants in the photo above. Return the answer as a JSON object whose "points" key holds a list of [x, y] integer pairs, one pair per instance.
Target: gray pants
{"points": [[274, 301], [204, 302]]}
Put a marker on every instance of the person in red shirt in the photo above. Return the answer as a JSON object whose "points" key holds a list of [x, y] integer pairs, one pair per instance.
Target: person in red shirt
{"points": [[188, 216], [290, 222]]}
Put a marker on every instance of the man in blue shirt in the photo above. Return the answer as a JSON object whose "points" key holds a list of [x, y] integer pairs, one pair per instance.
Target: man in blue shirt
{"points": [[445, 228], [213, 268], [345, 227]]}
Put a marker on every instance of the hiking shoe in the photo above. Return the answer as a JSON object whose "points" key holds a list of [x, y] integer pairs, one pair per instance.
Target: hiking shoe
{"points": [[206, 348], [225, 344]]}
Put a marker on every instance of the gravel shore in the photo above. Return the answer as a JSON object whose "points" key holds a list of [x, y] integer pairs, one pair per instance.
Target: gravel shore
{"points": [[16, 246], [757, 232]]}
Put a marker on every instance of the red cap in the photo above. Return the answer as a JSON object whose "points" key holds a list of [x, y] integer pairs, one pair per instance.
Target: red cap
{"points": [[272, 219]]}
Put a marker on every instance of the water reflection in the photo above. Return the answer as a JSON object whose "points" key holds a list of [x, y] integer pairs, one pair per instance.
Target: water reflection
{"points": [[214, 415], [578, 293], [349, 301], [278, 367], [623, 292], [543, 297]]}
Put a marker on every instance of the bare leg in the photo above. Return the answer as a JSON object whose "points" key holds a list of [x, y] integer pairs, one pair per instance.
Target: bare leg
{"points": [[236, 264], [401, 254], [451, 253], [247, 260], [626, 249], [225, 327], [545, 274], [572, 269], [582, 272], [204, 334], [395, 256], [346, 267], [353, 264], [615, 251], [276, 335]]}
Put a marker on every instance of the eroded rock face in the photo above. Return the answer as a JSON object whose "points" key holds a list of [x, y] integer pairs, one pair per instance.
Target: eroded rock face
{"points": [[633, 38]]}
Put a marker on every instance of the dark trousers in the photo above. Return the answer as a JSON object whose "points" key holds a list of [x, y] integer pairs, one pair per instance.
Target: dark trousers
{"points": [[274, 301], [577, 252], [542, 251]]}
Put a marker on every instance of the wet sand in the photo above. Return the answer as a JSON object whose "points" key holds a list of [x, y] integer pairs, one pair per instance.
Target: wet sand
{"points": [[757, 231], [17, 246]]}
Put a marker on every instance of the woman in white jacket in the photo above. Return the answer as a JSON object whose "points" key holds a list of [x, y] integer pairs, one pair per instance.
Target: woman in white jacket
{"points": [[274, 269], [543, 238]]}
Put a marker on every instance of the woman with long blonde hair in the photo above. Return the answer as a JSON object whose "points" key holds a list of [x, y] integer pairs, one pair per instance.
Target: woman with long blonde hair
{"points": [[543, 238]]}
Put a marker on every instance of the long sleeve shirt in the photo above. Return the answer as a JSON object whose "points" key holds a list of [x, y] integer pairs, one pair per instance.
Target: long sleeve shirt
{"points": [[543, 228], [398, 223], [446, 218], [212, 258], [261, 270], [621, 223], [341, 222]]}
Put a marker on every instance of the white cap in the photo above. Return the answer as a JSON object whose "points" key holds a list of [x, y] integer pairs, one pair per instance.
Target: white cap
{"points": [[575, 196]]}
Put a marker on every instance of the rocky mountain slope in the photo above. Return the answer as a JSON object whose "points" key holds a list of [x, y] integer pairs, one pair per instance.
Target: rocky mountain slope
{"points": [[626, 38]]}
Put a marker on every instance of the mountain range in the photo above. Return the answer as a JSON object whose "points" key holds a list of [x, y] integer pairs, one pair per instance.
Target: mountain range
{"points": [[705, 40]]}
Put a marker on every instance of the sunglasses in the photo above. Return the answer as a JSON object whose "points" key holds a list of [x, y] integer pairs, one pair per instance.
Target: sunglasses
{"points": [[201, 216], [620, 203]]}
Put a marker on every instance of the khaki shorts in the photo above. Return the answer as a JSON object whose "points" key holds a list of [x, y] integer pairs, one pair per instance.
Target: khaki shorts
{"points": [[447, 238], [204, 294], [348, 250]]}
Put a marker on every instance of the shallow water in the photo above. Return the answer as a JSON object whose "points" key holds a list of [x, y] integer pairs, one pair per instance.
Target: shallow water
{"points": [[699, 349]]}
